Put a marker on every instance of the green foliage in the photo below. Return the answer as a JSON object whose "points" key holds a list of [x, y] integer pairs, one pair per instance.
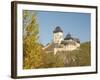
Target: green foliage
{"points": [[84, 54]]}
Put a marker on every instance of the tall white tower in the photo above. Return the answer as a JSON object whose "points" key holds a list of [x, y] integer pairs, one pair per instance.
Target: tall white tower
{"points": [[57, 35]]}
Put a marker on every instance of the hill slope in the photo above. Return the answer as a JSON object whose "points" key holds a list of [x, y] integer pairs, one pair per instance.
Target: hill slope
{"points": [[80, 57]]}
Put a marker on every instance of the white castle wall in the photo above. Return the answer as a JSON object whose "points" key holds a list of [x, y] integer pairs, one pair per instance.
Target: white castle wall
{"points": [[67, 48], [58, 37]]}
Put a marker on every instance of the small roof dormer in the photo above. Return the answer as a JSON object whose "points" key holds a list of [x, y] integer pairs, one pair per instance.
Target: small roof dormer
{"points": [[57, 29]]}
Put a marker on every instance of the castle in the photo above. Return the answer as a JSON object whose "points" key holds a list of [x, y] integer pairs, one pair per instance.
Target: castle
{"points": [[60, 43]]}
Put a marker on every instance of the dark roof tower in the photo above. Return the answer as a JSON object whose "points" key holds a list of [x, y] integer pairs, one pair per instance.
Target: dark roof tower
{"points": [[57, 29], [68, 36]]}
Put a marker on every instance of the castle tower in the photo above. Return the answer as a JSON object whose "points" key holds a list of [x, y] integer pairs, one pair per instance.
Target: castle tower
{"points": [[57, 35], [71, 43]]}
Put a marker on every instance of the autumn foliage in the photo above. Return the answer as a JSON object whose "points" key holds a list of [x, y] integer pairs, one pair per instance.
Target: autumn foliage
{"points": [[31, 47]]}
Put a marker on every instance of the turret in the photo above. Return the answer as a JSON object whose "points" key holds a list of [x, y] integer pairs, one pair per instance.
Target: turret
{"points": [[57, 35]]}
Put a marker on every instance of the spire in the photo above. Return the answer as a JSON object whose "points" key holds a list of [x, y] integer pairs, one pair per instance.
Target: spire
{"points": [[57, 29]]}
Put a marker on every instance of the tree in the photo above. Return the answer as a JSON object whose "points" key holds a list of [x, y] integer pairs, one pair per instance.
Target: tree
{"points": [[31, 47]]}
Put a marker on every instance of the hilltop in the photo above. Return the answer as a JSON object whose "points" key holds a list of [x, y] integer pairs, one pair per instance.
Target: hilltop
{"points": [[79, 57]]}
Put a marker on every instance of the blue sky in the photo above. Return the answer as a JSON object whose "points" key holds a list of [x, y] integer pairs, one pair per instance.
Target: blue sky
{"points": [[77, 24]]}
